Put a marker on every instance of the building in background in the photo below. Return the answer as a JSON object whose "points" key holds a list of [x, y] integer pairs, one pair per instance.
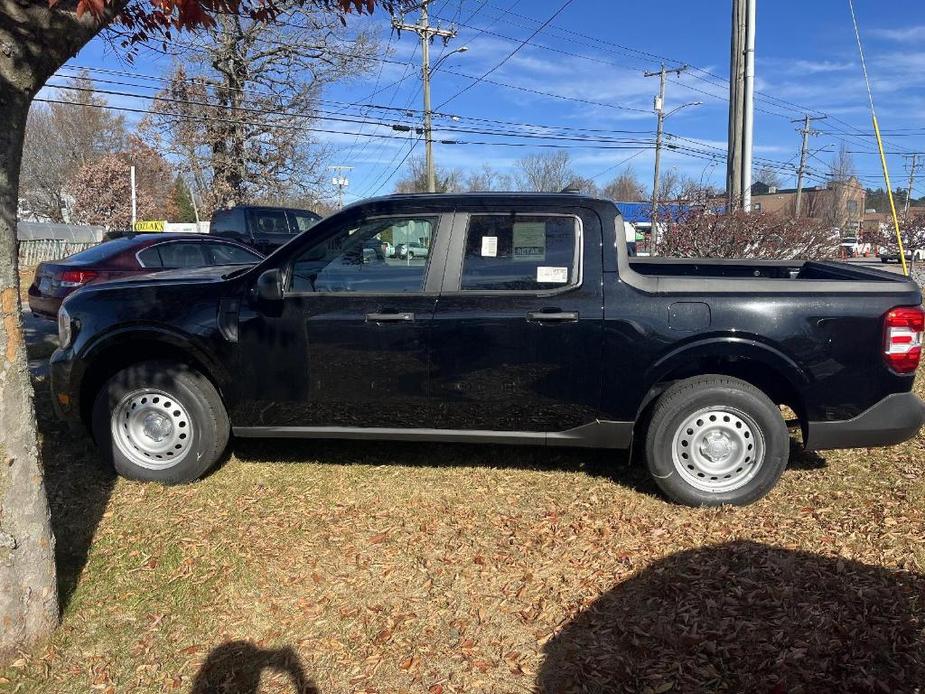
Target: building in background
{"points": [[840, 203]]}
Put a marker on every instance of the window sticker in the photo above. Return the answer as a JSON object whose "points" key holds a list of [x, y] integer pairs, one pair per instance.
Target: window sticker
{"points": [[555, 275], [489, 246], [529, 242]]}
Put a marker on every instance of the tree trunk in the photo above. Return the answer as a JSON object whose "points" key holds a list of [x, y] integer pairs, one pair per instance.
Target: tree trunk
{"points": [[35, 40], [28, 593]]}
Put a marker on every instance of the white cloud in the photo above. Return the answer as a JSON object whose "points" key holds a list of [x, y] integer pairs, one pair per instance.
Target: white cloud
{"points": [[907, 35], [821, 66]]}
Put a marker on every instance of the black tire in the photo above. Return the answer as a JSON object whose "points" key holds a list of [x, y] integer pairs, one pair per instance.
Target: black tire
{"points": [[700, 480], [180, 391]]}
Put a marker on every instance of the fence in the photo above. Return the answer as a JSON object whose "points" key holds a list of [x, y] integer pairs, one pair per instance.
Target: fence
{"points": [[42, 250]]}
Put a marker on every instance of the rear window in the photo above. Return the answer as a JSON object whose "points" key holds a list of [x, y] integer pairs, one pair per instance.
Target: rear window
{"points": [[269, 221], [103, 251], [228, 220]]}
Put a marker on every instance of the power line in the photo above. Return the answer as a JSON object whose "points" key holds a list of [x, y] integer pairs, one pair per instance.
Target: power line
{"points": [[510, 55], [571, 134], [372, 106]]}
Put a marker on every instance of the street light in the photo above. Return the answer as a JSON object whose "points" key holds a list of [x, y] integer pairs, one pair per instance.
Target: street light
{"points": [[461, 49], [678, 108]]}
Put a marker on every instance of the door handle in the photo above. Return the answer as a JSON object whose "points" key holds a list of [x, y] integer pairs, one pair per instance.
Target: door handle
{"points": [[394, 317], [552, 316]]}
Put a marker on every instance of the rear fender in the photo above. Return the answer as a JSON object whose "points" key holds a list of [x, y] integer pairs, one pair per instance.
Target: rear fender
{"points": [[732, 356]]}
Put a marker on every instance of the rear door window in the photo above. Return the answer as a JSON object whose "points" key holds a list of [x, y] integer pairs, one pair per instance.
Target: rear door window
{"points": [[183, 254], [504, 252], [150, 258]]}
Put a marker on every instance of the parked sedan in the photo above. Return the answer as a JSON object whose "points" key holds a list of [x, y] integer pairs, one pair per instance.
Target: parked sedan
{"points": [[127, 256]]}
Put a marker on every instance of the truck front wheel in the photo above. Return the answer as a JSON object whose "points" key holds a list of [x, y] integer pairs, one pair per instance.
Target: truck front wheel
{"points": [[160, 421], [716, 440]]}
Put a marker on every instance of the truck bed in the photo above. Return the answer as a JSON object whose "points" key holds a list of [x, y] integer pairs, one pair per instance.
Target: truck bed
{"points": [[742, 268], [724, 276]]}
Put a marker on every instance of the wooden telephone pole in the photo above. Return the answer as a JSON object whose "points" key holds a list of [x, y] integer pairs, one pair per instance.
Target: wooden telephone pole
{"points": [[660, 129], [426, 33], [806, 130]]}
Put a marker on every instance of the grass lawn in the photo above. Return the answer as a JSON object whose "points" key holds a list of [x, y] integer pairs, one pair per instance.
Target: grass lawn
{"points": [[373, 567]]}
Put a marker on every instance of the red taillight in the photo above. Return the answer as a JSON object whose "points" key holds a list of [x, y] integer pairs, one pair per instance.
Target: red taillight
{"points": [[76, 278], [902, 338]]}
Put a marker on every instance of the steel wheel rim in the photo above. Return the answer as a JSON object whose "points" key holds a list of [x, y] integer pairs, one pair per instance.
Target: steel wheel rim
{"points": [[152, 429], [718, 449]]}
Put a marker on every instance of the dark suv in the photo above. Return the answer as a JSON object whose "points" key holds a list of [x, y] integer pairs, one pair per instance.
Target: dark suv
{"points": [[263, 228]]}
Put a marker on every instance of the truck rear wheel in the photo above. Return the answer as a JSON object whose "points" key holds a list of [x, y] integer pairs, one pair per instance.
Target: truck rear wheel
{"points": [[716, 440], [161, 422]]}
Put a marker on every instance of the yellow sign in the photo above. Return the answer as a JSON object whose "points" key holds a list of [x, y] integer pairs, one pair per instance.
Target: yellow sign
{"points": [[150, 225]]}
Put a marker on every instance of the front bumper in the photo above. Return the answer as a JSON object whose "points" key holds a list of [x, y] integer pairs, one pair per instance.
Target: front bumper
{"points": [[896, 418], [64, 397]]}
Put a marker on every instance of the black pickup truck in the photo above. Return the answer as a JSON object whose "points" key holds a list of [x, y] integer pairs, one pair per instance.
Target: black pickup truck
{"points": [[525, 322], [263, 228]]}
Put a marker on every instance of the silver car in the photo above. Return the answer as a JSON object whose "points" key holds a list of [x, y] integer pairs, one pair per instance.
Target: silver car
{"points": [[410, 250]]}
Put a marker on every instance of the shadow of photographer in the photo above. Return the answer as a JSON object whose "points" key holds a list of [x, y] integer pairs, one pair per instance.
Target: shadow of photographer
{"points": [[236, 667], [744, 616]]}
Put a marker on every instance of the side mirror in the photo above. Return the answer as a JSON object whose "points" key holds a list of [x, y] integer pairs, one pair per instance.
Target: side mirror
{"points": [[270, 285]]}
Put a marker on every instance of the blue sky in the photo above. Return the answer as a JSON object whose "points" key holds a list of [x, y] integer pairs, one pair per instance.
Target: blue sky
{"points": [[596, 51]]}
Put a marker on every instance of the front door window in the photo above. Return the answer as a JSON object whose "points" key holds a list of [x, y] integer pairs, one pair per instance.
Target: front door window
{"points": [[382, 256]]}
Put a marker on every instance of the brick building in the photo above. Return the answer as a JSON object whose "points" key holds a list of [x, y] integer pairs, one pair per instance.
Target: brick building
{"points": [[840, 203]]}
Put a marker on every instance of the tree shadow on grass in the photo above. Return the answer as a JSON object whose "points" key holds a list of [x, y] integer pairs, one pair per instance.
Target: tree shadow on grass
{"points": [[236, 667], [78, 490], [744, 616]]}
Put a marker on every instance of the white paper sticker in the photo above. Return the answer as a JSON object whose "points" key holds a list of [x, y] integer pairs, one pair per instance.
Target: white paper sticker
{"points": [[489, 246], [529, 241], [558, 275]]}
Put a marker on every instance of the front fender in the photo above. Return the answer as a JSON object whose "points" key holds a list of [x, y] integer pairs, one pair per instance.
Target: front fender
{"points": [[123, 336]]}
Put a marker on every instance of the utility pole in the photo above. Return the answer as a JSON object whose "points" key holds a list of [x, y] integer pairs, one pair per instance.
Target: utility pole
{"points": [[741, 104], [806, 130], [426, 32], [914, 159], [134, 198], [748, 105], [341, 181], [192, 198], [662, 75]]}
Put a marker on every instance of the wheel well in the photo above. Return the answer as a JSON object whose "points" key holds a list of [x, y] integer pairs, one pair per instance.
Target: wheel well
{"points": [[767, 379], [118, 356]]}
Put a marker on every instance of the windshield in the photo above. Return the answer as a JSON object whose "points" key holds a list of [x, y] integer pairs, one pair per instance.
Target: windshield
{"points": [[236, 272]]}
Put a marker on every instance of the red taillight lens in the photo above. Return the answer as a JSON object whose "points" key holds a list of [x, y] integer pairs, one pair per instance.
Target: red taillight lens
{"points": [[76, 278], [902, 343]]}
